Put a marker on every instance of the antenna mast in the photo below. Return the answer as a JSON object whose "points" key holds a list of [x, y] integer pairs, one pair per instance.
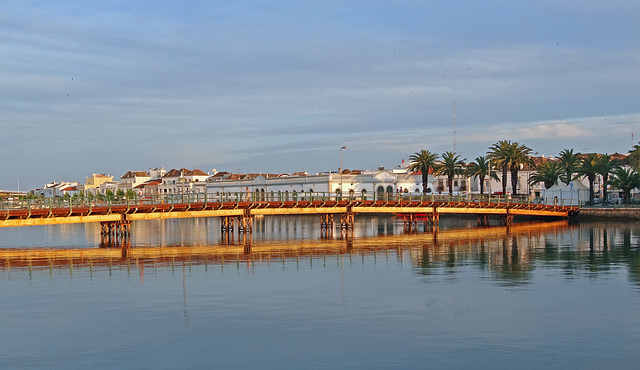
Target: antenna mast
{"points": [[453, 118]]}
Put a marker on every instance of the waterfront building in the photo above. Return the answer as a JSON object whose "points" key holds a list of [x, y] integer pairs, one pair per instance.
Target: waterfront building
{"points": [[182, 181], [131, 179], [354, 183], [92, 184], [58, 189]]}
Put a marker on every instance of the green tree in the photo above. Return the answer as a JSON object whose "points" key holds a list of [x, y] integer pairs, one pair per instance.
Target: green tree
{"points": [[519, 157], [108, 194], [509, 157], [606, 165], [625, 180], [423, 161], [450, 166], [131, 194], [634, 157], [498, 155], [119, 194], [548, 173], [589, 168], [569, 161], [480, 168]]}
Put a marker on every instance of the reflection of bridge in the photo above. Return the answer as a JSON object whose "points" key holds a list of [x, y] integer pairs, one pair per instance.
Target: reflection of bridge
{"points": [[245, 251], [117, 217]]}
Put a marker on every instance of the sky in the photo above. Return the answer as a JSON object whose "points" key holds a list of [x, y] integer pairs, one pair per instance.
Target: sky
{"points": [[111, 86]]}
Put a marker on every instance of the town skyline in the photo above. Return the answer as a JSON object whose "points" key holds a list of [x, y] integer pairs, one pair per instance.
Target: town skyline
{"points": [[251, 86], [151, 169]]}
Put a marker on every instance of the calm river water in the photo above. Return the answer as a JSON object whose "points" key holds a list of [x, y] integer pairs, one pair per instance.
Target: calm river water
{"points": [[549, 295]]}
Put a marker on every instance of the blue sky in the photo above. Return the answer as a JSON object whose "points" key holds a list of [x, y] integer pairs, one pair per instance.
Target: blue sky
{"points": [[279, 86]]}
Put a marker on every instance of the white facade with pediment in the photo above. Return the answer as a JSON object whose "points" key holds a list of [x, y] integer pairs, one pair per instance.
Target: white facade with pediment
{"points": [[364, 183]]}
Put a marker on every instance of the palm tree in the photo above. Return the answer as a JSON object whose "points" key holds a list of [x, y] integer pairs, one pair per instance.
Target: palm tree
{"points": [[634, 157], [588, 167], [498, 154], [423, 161], [450, 166], [606, 165], [509, 157], [569, 161], [625, 180], [548, 173], [480, 169], [519, 156]]}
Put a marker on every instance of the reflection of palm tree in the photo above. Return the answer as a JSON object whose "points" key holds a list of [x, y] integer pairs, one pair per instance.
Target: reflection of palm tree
{"points": [[423, 161], [480, 169], [450, 166]]}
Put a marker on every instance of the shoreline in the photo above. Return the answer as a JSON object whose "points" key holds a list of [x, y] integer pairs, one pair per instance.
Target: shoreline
{"points": [[610, 213]]}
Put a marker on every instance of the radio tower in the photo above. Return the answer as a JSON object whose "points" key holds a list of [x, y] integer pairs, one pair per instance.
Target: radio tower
{"points": [[453, 118]]}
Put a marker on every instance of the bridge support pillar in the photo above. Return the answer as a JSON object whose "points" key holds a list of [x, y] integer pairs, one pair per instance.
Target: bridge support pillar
{"points": [[346, 221], [483, 220], [326, 225], [115, 233], [245, 223], [432, 219], [410, 222], [226, 224], [507, 220]]}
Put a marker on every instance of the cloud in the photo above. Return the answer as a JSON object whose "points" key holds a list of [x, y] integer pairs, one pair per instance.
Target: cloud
{"points": [[259, 84]]}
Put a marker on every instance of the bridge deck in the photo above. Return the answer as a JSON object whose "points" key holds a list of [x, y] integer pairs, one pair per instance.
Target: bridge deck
{"points": [[41, 215]]}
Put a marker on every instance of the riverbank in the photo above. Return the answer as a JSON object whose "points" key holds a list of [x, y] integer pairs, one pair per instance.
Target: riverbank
{"points": [[610, 213]]}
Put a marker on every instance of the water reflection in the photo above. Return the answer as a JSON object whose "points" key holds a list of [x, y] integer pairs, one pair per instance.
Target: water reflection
{"points": [[507, 255]]}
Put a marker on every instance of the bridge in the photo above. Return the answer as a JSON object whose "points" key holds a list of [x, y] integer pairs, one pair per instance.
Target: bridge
{"points": [[238, 210]]}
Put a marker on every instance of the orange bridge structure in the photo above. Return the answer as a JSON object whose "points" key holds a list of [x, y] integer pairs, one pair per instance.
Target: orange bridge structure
{"points": [[238, 214]]}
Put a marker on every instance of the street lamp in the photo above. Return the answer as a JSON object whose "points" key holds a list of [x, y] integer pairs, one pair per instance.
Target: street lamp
{"points": [[344, 147]]}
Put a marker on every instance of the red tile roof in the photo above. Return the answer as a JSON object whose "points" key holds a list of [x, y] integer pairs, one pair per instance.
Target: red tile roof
{"points": [[133, 174]]}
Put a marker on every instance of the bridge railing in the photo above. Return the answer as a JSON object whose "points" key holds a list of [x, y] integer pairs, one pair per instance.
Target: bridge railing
{"points": [[237, 197]]}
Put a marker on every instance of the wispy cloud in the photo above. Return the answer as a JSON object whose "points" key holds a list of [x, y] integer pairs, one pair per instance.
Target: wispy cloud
{"points": [[254, 84]]}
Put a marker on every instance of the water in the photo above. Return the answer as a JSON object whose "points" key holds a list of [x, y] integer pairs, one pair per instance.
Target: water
{"points": [[547, 295]]}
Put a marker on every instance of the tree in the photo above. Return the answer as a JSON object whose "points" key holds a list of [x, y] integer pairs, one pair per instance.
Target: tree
{"points": [[131, 194], [480, 169], [108, 194], [519, 156], [588, 168], [423, 161], [548, 173], [450, 166], [498, 155], [510, 157], [119, 194], [634, 157], [625, 180], [569, 162], [606, 165]]}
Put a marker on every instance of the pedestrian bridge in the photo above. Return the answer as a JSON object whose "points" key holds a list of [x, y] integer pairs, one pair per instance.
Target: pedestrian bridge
{"points": [[238, 210]]}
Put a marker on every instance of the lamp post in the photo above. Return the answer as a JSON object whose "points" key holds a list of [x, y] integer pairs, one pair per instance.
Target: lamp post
{"points": [[490, 180], [344, 147]]}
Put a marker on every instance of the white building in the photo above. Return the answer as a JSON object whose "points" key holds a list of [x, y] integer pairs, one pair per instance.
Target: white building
{"points": [[183, 181], [58, 189], [354, 183]]}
